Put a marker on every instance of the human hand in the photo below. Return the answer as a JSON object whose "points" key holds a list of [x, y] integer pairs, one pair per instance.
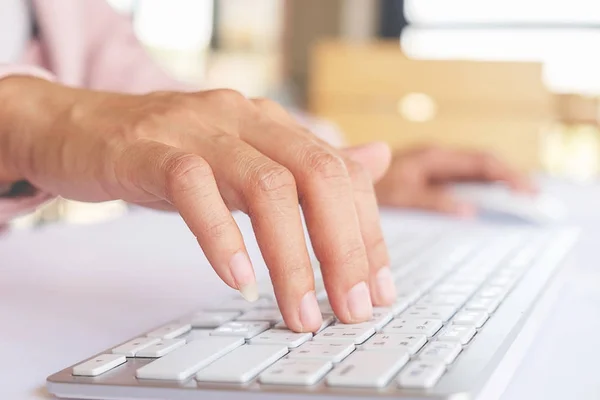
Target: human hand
{"points": [[204, 154], [419, 178]]}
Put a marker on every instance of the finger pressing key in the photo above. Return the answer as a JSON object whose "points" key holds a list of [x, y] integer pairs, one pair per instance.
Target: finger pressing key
{"points": [[327, 199], [266, 191], [363, 167], [186, 181]]}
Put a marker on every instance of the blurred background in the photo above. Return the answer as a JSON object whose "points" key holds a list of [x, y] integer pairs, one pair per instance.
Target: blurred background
{"points": [[520, 78]]}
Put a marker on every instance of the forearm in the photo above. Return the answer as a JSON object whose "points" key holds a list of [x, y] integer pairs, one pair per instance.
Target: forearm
{"points": [[20, 111], [29, 106]]}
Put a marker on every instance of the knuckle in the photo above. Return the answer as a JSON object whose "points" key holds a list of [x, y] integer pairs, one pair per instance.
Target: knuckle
{"points": [[360, 176], [298, 273], [140, 128], [182, 108], [159, 102], [229, 97], [353, 256], [327, 166], [270, 108], [488, 162], [376, 243], [186, 174], [149, 127], [266, 104], [218, 228], [274, 182]]}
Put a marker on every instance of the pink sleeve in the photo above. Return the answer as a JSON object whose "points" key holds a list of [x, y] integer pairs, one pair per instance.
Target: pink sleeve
{"points": [[116, 60], [12, 206]]}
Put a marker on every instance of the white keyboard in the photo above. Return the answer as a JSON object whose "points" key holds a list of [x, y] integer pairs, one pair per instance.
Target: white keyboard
{"points": [[462, 296]]}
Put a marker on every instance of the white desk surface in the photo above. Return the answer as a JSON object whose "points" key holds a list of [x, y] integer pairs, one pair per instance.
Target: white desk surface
{"points": [[67, 292]]}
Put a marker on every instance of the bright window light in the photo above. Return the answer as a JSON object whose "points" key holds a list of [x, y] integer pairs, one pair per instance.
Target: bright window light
{"points": [[503, 11], [569, 64], [184, 25], [122, 6], [251, 23]]}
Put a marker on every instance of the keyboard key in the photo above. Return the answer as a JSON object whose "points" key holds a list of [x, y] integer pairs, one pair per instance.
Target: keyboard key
{"points": [[470, 276], [452, 300], [487, 304], [467, 278], [426, 327], [333, 352], [283, 337], [421, 374], [423, 311], [409, 293], [245, 329], [400, 305], [354, 333], [161, 348], [381, 316], [457, 333], [99, 365], [445, 352], [171, 331], [184, 362], [422, 284], [242, 364], [492, 291], [505, 282], [328, 319], [368, 369], [474, 318], [296, 372], [213, 319], [130, 348], [508, 274], [388, 341], [271, 315], [197, 334], [412, 283]]}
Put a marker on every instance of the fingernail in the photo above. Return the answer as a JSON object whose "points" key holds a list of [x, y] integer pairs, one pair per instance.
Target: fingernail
{"points": [[359, 303], [310, 314], [385, 285], [243, 274]]}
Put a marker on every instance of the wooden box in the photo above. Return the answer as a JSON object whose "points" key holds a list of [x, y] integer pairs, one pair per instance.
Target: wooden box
{"points": [[374, 92]]}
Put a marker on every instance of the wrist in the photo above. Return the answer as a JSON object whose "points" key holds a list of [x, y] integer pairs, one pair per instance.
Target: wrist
{"points": [[28, 107]]}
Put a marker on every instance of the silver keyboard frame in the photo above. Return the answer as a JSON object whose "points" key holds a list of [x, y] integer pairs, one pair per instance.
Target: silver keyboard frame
{"points": [[465, 379]]}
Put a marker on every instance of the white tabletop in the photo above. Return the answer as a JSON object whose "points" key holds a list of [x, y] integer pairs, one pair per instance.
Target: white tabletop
{"points": [[67, 292]]}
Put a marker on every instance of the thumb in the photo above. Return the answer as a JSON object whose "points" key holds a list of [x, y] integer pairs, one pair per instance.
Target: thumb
{"points": [[375, 157]]}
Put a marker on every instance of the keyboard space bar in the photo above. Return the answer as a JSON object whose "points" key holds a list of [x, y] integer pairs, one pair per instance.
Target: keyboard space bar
{"points": [[189, 359]]}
